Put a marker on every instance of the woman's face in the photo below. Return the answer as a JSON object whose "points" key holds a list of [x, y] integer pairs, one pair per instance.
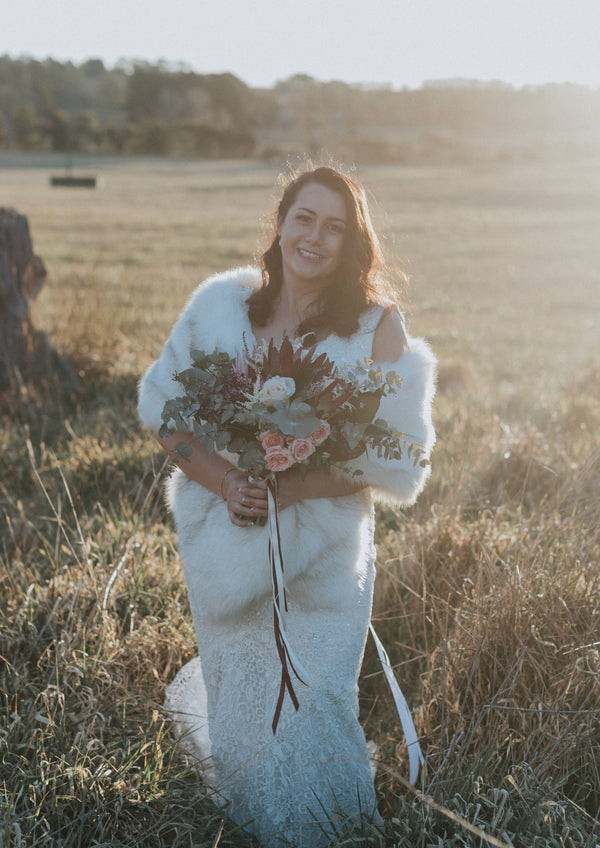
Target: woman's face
{"points": [[312, 234]]}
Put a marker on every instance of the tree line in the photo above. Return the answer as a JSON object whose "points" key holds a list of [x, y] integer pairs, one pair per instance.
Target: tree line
{"points": [[158, 109]]}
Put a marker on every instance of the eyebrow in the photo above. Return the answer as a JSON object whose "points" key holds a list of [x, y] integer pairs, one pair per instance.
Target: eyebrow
{"points": [[312, 212]]}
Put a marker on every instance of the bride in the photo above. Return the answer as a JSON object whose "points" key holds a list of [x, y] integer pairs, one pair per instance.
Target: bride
{"points": [[321, 278]]}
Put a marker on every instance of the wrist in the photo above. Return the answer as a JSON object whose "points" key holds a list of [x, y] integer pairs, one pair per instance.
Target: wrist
{"points": [[223, 479]]}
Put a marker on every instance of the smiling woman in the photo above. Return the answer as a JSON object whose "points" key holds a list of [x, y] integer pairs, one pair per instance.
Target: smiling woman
{"points": [[304, 778]]}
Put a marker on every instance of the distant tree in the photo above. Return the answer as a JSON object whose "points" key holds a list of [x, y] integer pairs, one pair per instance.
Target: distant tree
{"points": [[25, 128], [56, 126], [115, 139], [236, 143], [230, 99], [85, 131], [143, 93], [265, 108], [2, 130], [93, 68], [152, 138], [206, 142]]}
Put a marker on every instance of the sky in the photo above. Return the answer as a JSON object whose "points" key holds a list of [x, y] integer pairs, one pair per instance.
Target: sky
{"points": [[397, 42]]}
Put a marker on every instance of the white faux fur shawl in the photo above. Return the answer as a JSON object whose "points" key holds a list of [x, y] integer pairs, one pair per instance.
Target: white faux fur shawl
{"points": [[216, 316], [328, 542]]}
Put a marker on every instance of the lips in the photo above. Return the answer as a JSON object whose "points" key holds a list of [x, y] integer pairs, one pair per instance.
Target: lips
{"points": [[308, 254]]}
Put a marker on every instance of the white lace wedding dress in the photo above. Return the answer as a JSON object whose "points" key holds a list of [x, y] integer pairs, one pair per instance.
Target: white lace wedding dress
{"points": [[311, 780]]}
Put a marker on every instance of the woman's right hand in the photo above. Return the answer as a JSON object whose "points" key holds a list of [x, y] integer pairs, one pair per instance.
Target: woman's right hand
{"points": [[246, 499]]}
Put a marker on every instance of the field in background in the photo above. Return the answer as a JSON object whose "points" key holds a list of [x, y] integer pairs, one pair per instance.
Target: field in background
{"points": [[489, 592], [503, 258]]}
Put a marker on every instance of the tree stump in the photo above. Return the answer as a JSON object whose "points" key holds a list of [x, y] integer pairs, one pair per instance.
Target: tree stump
{"points": [[24, 351]]}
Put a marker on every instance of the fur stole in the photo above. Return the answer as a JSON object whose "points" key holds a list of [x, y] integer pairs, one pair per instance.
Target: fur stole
{"points": [[328, 543], [216, 316]]}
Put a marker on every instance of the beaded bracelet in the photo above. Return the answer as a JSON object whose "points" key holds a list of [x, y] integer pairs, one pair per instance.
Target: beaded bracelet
{"points": [[229, 470]]}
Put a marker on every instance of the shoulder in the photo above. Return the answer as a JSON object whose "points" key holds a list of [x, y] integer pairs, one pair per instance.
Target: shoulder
{"points": [[216, 315], [234, 285], [389, 340]]}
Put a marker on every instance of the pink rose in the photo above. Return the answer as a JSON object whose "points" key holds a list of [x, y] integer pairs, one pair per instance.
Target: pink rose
{"points": [[319, 436], [271, 440], [278, 459], [301, 449]]}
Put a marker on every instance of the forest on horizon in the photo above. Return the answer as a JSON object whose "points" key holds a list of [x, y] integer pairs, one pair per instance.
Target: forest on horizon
{"points": [[157, 109]]}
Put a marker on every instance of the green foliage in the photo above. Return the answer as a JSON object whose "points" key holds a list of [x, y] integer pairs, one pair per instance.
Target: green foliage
{"points": [[159, 109], [226, 406]]}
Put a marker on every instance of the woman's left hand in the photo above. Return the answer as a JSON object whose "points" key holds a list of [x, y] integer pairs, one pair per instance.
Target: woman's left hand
{"points": [[289, 488], [293, 487]]}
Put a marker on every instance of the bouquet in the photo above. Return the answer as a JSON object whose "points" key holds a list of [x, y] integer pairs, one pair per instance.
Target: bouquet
{"points": [[275, 408]]}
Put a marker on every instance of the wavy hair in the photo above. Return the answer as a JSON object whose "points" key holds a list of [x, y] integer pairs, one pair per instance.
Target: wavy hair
{"points": [[358, 281]]}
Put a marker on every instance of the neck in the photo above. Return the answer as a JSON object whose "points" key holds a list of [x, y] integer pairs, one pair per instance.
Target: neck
{"points": [[298, 301]]}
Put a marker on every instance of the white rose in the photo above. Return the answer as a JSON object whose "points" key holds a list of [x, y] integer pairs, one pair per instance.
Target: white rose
{"points": [[276, 388]]}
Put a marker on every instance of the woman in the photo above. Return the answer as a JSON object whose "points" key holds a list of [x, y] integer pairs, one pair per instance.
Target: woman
{"points": [[311, 780]]}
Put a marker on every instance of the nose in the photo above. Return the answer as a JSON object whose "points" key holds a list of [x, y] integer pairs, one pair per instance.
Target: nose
{"points": [[314, 236]]}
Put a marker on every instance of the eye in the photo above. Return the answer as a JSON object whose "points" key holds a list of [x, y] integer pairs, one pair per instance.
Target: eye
{"points": [[303, 218], [336, 229]]}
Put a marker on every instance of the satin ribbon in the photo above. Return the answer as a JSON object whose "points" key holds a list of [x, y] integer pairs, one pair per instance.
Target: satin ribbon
{"points": [[289, 661], [415, 756]]}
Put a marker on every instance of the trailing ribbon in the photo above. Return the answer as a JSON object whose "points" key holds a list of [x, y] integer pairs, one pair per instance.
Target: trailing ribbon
{"points": [[286, 655], [415, 756], [289, 661]]}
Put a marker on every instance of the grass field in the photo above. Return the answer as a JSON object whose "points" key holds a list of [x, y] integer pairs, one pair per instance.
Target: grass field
{"points": [[488, 596]]}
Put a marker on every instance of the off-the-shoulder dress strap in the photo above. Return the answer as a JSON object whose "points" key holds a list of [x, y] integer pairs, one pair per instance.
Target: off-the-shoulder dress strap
{"points": [[374, 315]]}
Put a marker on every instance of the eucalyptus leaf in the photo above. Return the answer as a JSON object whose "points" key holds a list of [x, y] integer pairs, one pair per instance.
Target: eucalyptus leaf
{"points": [[299, 409], [200, 429], [207, 443], [252, 457], [301, 427], [183, 449], [222, 439]]}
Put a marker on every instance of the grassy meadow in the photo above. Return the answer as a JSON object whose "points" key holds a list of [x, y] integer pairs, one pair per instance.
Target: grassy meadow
{"points": [[488, 597]]}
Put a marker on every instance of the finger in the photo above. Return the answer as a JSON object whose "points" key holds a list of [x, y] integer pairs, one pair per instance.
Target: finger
{"points": [[251, 497], [259, 490], [249, 510], [252, 486], [245, 505], [255, 503], [238, 520], [253, 511], [256, 486]]}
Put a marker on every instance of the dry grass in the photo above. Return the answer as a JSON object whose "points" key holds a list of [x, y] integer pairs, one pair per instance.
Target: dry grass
{"points": [[489, 593]]}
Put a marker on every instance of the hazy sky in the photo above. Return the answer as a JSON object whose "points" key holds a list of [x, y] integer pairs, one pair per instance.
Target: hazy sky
{"points": [[401, 42]]}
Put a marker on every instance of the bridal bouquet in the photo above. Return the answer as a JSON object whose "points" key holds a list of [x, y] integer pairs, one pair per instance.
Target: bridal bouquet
{"points": [[275, 407]]}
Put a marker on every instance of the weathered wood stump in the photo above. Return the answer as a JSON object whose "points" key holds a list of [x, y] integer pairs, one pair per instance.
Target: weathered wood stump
{"points": [[24, 351]]}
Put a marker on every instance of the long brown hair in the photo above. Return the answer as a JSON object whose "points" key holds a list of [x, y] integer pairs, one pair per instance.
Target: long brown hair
{"points": [[357, 282]]}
